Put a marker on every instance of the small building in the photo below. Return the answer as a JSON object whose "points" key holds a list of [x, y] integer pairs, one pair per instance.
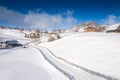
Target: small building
{"points": [[90, 29], [33, 35], [114, 28]]}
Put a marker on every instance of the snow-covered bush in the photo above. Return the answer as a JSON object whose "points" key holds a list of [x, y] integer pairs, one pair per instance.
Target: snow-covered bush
{"points": [[53, 37]]}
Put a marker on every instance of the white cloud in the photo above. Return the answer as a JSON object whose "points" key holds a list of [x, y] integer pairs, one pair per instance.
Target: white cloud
{"points": [[45, 20], [36, 19], [111, 19], [10, 16]]}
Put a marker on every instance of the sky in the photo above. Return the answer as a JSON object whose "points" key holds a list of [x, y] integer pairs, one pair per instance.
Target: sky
{"points": [[61, 14]]}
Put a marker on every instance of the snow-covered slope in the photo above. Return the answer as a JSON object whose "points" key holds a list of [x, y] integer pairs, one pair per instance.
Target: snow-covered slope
{"points": [[26, 64], [99, 52], [11, 32]]}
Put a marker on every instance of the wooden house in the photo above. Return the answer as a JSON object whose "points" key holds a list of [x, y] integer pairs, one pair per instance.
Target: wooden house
{"points": [[33, 35], [90, 29]]}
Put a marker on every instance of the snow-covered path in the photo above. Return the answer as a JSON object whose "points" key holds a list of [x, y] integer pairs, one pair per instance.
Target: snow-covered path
{"points": [[71, 77], [71, 72]]}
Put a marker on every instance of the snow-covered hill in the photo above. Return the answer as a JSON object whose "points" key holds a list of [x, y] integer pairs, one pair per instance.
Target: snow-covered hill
{"points": [[11, 32], [99, 52]]}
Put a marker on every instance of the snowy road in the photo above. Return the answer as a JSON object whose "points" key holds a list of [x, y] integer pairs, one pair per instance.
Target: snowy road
{"points": [[70, 71], [71, 77]]}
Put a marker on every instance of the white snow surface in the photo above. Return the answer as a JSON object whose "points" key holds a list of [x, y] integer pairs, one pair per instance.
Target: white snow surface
{"points": [[24, 63], [99, 52], [11, 32]]}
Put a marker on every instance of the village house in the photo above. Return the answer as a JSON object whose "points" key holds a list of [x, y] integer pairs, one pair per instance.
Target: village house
{"points": [[114, 28], [90, 29], [32, 34]]}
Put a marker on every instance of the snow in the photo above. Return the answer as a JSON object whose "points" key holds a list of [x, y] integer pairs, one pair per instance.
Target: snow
{"points": [[25, 63], [18, 64], [11, 32], [18, 70], [113, 27], [98, 52], [70, 71], [95, 51]]}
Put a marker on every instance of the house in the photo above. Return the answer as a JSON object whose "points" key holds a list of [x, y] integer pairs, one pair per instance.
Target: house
{"points": [[33, 35], [114, 28], [90, 29]]}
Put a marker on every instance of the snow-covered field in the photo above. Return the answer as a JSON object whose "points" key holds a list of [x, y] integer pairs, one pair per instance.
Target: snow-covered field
{"points": [[24, 63], [99, 52]]}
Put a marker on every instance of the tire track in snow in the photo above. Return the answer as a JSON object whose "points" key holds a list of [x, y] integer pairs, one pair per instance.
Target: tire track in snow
{"points": [[84, 69], [71, 77]]}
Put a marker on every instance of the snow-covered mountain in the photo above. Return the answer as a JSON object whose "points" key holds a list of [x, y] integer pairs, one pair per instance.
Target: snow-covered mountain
{"points": [[81, 26]]}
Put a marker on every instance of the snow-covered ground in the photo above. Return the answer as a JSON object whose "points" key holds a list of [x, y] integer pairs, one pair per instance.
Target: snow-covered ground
{"points": [[25, 63], [99, 52], [70, 71], [12, 32]]}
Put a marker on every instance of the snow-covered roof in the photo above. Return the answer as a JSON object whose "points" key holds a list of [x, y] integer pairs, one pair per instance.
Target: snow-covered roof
{"points": [[113, 27]]}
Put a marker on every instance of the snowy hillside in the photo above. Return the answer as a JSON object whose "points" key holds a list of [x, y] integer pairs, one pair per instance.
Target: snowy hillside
{"points": [[26, 64], [95, 51], [11, 32]]}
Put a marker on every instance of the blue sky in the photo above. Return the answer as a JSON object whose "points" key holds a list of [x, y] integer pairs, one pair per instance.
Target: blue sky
{"points": [[76, 11]]}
